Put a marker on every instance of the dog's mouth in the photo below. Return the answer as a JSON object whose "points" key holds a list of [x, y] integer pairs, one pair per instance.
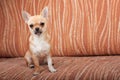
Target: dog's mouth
{"points": [[38, 32]]}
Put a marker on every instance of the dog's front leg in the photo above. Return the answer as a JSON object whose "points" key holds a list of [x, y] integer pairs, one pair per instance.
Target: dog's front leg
{"points": [[28, 59], [36, 64], [50, 66]]}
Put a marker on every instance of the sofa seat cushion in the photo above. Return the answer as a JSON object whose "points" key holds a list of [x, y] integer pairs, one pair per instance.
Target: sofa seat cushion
{"points": [[68, 68]]}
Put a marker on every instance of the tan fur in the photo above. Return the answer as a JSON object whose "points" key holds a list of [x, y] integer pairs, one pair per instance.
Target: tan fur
{"points": [[39, 44]]}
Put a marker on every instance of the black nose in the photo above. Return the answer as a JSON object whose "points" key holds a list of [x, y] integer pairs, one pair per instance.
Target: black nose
{"points": [[37, 29]]}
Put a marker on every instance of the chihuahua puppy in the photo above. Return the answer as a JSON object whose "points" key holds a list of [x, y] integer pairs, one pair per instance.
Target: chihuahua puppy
{"points": [[39, 44]]}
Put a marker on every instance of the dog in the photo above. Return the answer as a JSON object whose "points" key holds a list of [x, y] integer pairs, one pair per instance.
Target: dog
{"points": [[39, 40]]}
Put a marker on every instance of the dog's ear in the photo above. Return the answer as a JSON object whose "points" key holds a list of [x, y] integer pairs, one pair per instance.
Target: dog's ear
{"points": [[44, 12], [25, 16]]}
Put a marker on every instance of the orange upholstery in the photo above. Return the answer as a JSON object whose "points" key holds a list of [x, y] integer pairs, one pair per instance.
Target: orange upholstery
{"points": [[76, 27], [68, 68]]}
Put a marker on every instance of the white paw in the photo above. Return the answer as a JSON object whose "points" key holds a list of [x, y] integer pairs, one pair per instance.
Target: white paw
{"points": [[31, 66], [52, 70], [35, 73]]}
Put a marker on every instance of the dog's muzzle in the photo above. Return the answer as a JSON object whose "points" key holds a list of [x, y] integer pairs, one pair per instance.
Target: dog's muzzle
{"points": [[38, 31]]}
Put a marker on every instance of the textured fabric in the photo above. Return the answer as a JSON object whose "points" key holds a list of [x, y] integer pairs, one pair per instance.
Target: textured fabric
{"points": [[69, 68], [76, 27]]}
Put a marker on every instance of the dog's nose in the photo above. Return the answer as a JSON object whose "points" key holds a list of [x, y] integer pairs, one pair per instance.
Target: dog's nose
{"points": [[37, 29]]}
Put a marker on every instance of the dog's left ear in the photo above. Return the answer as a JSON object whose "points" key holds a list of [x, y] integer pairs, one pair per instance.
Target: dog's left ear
{"points": [[44, 12], [25, 16]]}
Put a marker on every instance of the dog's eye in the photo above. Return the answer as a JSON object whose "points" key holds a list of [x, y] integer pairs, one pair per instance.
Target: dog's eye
{"points": [[42, 24], [31, 25]]}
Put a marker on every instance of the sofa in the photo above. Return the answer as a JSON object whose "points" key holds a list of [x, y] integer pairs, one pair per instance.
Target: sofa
{"points": [[85, 39]]}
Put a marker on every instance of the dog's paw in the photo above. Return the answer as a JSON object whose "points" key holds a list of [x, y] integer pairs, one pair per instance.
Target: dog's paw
{"points": [[31, 66], [35, 73], [53, 70]]}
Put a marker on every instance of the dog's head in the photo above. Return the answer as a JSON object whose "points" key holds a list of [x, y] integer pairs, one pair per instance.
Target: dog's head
{"points": [[38, 23]]}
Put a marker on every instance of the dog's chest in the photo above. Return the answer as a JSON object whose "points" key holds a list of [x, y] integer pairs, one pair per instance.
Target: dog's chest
{"points": [[40, 46]]}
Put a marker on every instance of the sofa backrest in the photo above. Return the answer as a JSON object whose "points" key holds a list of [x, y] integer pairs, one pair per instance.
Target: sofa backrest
{"points": [[76, 27]]}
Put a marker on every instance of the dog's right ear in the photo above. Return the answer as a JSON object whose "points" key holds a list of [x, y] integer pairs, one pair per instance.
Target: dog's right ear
{"points": [[44, 12], [25, 16]]}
